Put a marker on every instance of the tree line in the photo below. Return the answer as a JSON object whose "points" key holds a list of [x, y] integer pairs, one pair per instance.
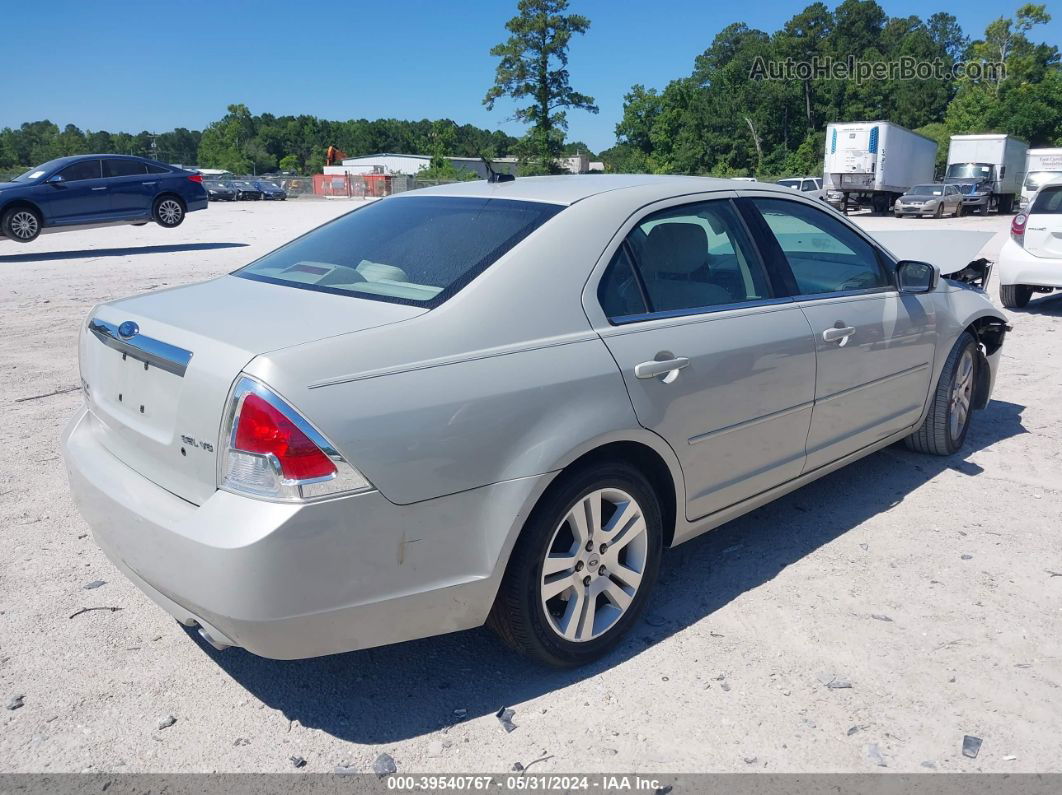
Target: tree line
{"points": [[722, 120], [245, 143]]}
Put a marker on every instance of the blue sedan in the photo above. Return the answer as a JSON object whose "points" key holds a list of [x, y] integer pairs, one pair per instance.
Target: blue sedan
{"points": [[97, 190]]}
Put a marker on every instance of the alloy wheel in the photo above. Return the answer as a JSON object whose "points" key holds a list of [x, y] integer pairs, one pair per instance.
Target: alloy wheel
{"points": [[24, 225], [961, 394], [169, 211], [594, 564]]}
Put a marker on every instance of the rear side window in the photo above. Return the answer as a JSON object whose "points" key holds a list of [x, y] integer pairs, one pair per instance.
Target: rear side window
{"points": [[86, 169], [1048, 201], [417, 250], [157, 169], [685, 258], [122, 168], [824, 255]]}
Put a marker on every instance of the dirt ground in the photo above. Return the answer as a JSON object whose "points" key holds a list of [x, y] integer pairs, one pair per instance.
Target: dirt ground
{"points": [[931, 586]]}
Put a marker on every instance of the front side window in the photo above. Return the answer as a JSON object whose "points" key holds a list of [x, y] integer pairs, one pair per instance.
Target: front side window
{"points": [[824, 255], [684, 258], [1048, 201], [86, 169], [415, 250], [123, 168]]}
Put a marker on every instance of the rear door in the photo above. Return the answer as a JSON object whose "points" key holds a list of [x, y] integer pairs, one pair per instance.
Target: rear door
{"points": [[714, 360], [128, 186], [1043, 230], [874, 345], [81, 196]]}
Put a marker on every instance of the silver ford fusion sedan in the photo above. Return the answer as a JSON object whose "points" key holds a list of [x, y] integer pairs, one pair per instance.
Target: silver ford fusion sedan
{"points": [[498, 402]]}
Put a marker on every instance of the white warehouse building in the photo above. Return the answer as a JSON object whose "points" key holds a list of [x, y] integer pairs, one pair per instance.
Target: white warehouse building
{"points": [[388, 163]]}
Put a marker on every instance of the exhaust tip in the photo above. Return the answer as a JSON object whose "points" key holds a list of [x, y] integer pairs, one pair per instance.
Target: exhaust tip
{"points": [[217, 644]]}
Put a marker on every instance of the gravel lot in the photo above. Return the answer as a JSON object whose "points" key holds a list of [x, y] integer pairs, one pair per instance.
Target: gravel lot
{"points": [[932, 586]]}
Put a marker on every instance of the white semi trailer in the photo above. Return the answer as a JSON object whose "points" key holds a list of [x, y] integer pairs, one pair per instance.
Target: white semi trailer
{"points": [[873, 163], [989, 170], [1041, 166]]}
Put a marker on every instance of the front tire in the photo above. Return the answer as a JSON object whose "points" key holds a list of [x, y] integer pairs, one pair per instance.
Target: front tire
{"points": [[944, 429], [21, 224], [168, 212], [1015, 296], [582, 568]]}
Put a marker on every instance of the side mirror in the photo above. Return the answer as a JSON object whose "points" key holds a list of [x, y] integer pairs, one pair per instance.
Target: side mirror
{"points": [[916, 277], [54, 179]]}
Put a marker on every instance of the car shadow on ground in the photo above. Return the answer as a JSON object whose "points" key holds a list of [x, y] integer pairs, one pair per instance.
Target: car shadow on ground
{"points": [[91, 253], [1048, 305], [397, 692]]}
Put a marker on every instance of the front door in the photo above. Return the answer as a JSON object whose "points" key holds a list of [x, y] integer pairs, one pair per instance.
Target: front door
{"points": [[80, 197], [874, 344], [714, 360]]}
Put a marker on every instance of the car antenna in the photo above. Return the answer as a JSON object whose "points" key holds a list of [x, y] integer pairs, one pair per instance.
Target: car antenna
{"points": [[494, 176]]}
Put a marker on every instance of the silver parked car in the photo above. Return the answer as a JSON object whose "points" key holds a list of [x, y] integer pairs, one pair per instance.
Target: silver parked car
{"points": [[935, 199], [498, 403]]}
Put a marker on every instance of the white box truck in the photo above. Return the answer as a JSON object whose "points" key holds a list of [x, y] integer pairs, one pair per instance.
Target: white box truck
{"points": [[989, 169], [1041, 166], [873, 163]]}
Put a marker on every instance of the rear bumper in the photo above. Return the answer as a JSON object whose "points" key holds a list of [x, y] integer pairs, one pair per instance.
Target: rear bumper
{"points": [[292, 581], [1018, 266], [199, 203]]}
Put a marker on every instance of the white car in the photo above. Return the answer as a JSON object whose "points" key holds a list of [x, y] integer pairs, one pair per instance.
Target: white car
{"points": [[1031, 261], [809, 186]]}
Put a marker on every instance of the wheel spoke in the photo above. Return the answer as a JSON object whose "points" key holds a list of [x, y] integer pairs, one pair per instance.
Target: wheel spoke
{"points": [[621, 521], [556, 586], [569, 623], [554, 564], [626, 575], [615, 593], [585, 517]]}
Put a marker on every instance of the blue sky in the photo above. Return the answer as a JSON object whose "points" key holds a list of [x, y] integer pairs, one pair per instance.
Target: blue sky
{"points": [[121, 65]]}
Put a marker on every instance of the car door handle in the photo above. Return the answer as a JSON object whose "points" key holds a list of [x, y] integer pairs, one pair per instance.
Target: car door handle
{"points": [[155, 182], [101, 187], [841, 333], [668, 368]]}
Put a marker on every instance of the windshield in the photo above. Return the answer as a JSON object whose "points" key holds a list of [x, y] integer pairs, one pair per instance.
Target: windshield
{"points": [[926, 190], [970, 171], [415, 250], [1037, 179], [36, 172], [790, 183]]}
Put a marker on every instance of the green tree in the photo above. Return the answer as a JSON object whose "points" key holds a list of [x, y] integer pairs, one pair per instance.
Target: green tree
{"points": [[534, 65]]}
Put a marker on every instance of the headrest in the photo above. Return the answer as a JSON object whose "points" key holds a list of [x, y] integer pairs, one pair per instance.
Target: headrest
{"points": [[676, 247]]}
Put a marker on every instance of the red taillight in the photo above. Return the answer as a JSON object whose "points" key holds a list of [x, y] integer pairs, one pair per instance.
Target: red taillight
{"points": [[264, 430], [196, 178], [1017, 228]]}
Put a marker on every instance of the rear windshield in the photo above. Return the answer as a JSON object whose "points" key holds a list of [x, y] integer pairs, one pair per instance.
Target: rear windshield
{"points": [[1048, 201], [415, 250]]}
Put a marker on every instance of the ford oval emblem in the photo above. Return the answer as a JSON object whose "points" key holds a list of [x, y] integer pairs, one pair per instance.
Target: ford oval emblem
{"points": [[128, 329]]}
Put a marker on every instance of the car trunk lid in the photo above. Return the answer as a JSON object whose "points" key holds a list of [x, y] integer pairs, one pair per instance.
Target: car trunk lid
{"points": [[158, 367]]}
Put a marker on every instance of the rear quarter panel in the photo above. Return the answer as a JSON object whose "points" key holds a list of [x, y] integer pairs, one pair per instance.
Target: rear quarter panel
{"points": [[439, 429]]}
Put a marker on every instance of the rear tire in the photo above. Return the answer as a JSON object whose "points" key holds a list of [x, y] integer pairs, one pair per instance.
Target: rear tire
{"points": [[168, 211], [1015, 296], [564, 604], [21, 224], [958, 211], [944, 429]]}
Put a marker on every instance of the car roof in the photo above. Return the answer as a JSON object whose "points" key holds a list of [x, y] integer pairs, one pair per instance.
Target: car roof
{"points": [[571, 188]]}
